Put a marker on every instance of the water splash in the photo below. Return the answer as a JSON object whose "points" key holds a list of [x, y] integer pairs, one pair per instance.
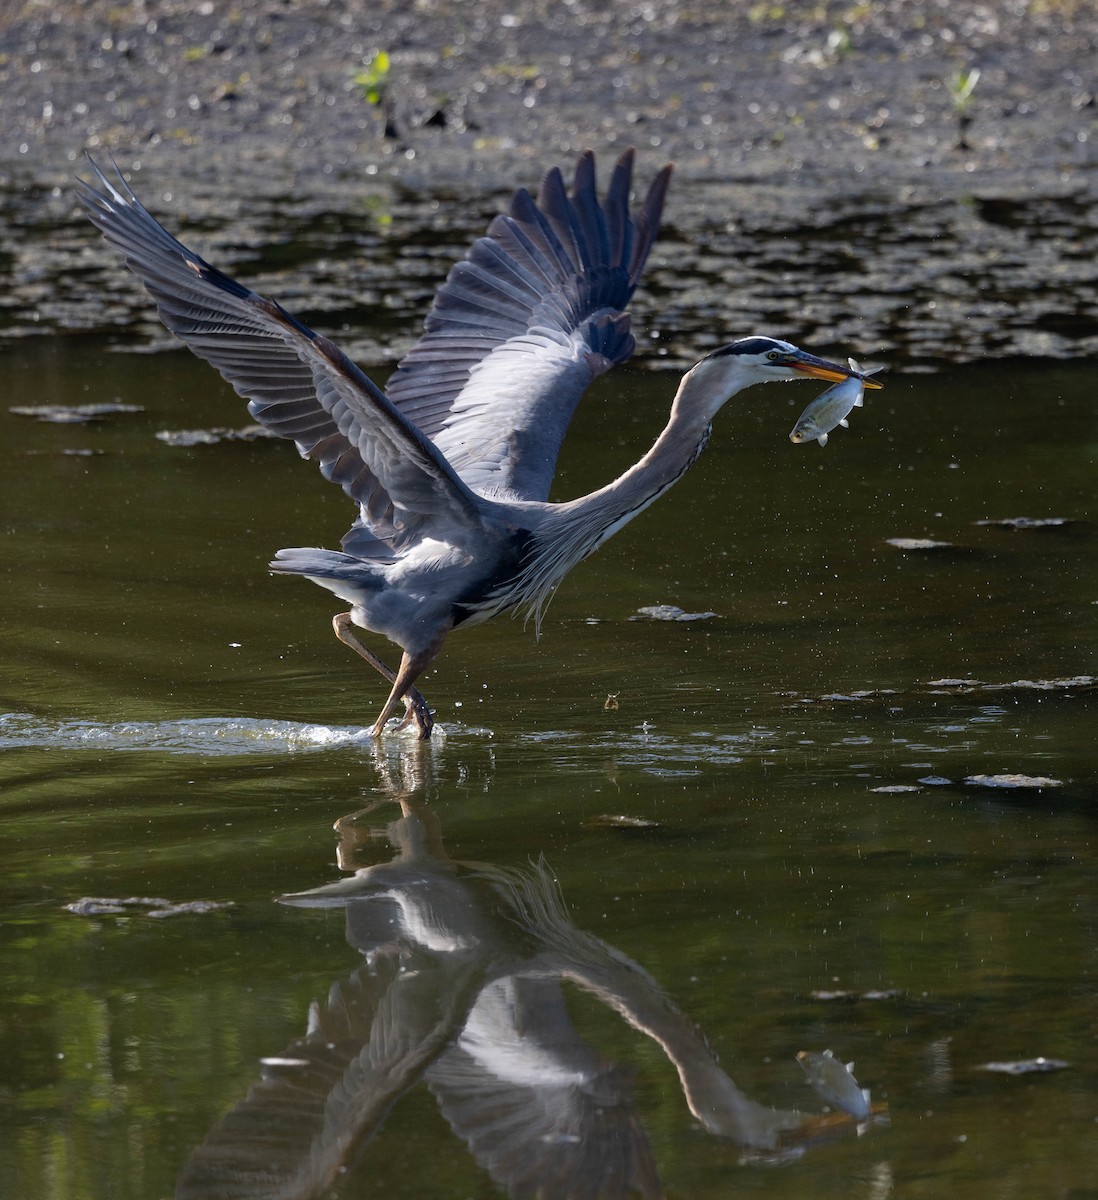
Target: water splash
{"points": [[201, 735]]}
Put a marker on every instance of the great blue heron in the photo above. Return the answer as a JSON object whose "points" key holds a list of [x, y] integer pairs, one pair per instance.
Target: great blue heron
{"points": [[451, 464]]}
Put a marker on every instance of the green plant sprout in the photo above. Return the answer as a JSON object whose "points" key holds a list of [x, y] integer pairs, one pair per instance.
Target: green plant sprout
{"points": [[960, 86], [374, 80]]}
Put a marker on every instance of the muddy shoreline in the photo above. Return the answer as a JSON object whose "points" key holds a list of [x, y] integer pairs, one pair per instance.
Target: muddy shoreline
{"points": [[830, 183]]}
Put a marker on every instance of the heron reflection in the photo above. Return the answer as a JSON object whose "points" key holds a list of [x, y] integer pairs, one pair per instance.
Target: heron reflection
{"points": [[461, 985]]}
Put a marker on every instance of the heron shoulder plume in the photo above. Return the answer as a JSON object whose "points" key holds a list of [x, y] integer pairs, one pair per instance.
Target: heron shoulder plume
{"points": [[449, 466]]}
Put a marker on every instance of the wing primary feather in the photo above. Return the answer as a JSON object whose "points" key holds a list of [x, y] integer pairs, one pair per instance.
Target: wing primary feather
{"points": [[541, 232], [618, 228], [557, 210], [489, 256], [591, 219], [647, 224]]}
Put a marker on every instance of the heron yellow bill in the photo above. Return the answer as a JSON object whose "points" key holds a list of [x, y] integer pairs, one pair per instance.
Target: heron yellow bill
{"points": [[820, 368]]}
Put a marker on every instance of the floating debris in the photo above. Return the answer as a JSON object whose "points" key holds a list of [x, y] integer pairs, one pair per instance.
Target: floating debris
{"points": [[893, 788], [1072, 683], [935, 781], [1027, 522], [94, 906], [619, 821], [833, 1081], [669, 612], [188, 437], [211, 437], [1031, 782], [72, 414], [918, 544], [852, 697], [1025, 1066], [191, 907], [1045, 685], [834, 994], [153, 906]]}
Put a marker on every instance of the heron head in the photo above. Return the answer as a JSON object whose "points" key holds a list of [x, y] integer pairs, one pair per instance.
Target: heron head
{"points": [[766, 359]]}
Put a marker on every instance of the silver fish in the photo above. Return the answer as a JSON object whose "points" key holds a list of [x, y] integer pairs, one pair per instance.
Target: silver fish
{"points": [[834, 1082], [830, 409]]}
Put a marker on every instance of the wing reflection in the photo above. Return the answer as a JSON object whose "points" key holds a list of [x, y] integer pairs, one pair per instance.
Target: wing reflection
{"points": [[461, 985]]}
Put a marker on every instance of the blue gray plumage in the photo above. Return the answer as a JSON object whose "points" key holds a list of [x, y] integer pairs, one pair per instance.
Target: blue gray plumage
{"points": [[451, 464]]}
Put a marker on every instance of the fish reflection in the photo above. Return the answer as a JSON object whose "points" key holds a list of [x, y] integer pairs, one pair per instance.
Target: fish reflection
{"points": [[834, 1081], [461, 985]]}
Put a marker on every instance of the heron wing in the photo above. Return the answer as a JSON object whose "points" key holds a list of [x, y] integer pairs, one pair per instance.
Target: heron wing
{"points": [[327, 1094], [524, 323], [535, 1105], [297, 383]]}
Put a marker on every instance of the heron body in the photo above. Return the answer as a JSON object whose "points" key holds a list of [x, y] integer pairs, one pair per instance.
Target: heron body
{"points": [[451, 464]]}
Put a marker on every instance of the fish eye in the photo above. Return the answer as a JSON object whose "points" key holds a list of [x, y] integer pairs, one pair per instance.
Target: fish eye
{"points": [[773, 355]]}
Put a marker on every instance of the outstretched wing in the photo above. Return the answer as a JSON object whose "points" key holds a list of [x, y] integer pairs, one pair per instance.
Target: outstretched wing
{"points": [[322, 1099], [297, 383], [535, 1105], [524, 323]]}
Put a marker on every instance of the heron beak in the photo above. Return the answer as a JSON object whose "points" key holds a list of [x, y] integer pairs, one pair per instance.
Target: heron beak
{"points": [[820, 368]]}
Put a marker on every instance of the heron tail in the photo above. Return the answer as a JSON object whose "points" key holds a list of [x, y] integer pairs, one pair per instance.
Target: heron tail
{"points": [[349, 578]]}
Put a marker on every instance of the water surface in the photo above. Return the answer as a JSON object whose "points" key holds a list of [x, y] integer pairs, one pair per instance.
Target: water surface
{"points": [[179, 725]]}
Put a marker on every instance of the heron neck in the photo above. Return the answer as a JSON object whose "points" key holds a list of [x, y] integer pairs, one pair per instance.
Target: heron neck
{"points": [[699, 397], [565, 534], [711, 1095]]}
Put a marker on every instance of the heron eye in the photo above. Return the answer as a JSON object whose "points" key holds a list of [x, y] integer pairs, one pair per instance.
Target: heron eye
{"points": [[773, 355]]}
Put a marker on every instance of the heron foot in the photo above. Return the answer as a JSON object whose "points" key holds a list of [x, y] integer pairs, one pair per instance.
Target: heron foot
{"points": [[419, 713], [416, 709]]}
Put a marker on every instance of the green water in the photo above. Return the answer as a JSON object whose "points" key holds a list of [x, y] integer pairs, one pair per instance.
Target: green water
{"points": [[181, 725]]}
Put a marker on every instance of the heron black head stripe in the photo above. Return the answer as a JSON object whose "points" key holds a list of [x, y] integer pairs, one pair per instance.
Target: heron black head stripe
{"points": [[748, 345]]}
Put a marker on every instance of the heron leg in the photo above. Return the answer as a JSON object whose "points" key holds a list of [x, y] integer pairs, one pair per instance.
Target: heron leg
{"points": [[415, 704], [411, 667]]}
